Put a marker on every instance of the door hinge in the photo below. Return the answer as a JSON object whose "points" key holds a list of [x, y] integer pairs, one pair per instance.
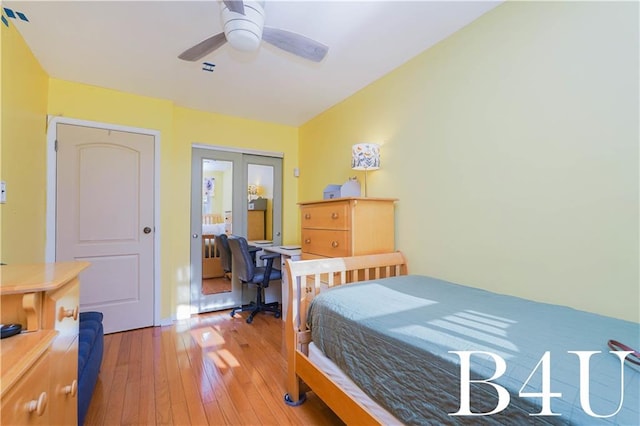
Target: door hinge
{"points": [[55, 145]]}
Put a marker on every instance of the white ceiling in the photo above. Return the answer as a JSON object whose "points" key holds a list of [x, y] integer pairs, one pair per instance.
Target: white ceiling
{"points": [[133, 47]]}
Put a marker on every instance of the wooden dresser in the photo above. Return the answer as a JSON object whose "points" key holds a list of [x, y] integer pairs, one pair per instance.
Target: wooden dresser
{"points": [[347, 227], [256, 225], [38, 368]]}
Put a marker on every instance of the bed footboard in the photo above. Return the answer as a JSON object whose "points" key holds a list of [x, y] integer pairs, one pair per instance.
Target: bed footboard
{"points": [[306, 279], [211, 262]]}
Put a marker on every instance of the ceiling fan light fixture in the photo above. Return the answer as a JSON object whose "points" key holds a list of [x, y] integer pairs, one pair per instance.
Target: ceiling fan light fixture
{"points": [[244, 32], [244, 40]]}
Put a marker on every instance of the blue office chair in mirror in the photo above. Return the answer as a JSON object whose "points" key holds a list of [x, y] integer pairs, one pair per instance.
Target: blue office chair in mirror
{"points": [[225, 254]]}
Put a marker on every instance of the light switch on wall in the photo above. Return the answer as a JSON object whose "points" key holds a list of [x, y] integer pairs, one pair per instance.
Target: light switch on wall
{"points": [[3, 192]]}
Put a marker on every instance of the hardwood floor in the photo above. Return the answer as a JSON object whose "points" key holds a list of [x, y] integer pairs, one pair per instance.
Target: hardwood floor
{"points": [[208, 370], [216, 285]]}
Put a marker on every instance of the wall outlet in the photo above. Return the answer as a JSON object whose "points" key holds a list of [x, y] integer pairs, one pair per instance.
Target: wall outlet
{"points": [[3, 192]]}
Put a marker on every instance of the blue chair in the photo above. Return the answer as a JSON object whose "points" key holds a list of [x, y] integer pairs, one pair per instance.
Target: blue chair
{"points": [[225, 254], [247, 271]]}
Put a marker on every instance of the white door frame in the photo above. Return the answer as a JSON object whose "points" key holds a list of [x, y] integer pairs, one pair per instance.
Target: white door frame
{"points": [[50, 241], [275, 154]]}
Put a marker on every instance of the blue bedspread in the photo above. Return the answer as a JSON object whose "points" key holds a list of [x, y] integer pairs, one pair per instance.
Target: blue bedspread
{"points": [[393, 338]]}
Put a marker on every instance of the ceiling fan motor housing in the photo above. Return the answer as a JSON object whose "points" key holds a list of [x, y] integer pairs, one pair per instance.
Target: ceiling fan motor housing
{"points": [[244, 32]]}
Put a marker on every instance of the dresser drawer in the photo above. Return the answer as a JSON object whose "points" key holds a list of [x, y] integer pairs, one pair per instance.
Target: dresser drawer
{"points": [[326, 216], [64, 385], [326, 242], [27, 403], [61, 313]]}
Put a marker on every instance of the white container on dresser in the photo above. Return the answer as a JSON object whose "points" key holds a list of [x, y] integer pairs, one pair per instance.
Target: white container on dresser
{"points": [[38, 368], [347, 227]]}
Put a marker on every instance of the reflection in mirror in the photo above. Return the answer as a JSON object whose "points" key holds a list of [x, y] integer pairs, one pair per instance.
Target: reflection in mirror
{"points": [[217, 196], [260, 202]]}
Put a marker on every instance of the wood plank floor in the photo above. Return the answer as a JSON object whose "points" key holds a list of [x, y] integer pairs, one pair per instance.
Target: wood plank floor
{"points": [[208, 370], [215, 285]]}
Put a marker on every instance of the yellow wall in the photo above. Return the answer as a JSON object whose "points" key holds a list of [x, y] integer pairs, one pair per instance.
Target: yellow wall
{"points": [[513, 149], [23, 145], [1, 174]]}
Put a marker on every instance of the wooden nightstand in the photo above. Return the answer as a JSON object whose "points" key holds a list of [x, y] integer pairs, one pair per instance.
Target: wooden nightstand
{"points": [[39, 371]]}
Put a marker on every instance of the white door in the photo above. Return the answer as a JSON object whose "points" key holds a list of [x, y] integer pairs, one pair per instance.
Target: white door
{"points": [[104, 215]]}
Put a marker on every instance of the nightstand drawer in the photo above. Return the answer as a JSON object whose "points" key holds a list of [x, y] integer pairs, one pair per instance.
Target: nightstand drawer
{"points": [[326, 242], [61, 307], [64, 385], [326, 216], [27, 403]]}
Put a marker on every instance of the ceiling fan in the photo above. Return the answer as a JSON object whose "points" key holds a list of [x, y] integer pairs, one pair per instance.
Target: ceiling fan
{"points": [[244, 30]]}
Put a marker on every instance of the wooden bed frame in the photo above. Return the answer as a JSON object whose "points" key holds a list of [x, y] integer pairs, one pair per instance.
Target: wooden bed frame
{"points": [[303, 375], [209, 219], [211, 261]]}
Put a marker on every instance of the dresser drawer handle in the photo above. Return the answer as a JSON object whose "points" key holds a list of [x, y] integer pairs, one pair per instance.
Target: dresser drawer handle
{"points": [[38, 406], [334, 244], [334, 215], [307, 241], [71, 389], [68, 313], [307, 215]]}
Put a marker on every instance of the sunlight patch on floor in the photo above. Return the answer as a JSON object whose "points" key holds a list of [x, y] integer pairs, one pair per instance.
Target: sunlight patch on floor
{"points": [[207, 337], [223, 359]]}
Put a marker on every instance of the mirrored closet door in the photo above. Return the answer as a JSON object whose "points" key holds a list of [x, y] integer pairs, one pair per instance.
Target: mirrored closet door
{"points": [[232, 194]]}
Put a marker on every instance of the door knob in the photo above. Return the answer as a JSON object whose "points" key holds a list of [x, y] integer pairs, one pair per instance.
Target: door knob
{"points": [[146, 230]]}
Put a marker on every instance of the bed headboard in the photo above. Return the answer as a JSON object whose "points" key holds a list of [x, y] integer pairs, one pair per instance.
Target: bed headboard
{"points": [[308, 277], [210, 219]]}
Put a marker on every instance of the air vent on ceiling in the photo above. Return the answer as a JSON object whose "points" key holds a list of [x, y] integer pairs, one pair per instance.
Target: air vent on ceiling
{"points": [[208, 66]]}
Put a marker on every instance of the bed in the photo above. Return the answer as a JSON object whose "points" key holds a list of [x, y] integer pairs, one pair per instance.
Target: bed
{"points": [[212, 225], [212, 219], [387, 349]]}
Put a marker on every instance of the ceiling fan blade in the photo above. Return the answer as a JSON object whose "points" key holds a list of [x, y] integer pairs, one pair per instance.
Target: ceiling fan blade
{"points": [[235, 6], [203, 48], [295, 43]]}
